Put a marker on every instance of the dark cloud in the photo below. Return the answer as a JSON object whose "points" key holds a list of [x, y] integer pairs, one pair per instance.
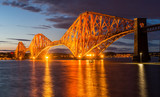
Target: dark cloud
{"points": [[7, 50], [33, 9], [3, 41], [112, 48], [42, 27], [72, 8], [64, 25], [151, 36], [118, 49], [123, 8], [31, 34], [129, 36], [5, 3], [22, 4], [7, 42], [153, 44], [119, 43], [154, 35], [37, 27], [62, 21], [128, 47], [18, 39], [125, 50]]}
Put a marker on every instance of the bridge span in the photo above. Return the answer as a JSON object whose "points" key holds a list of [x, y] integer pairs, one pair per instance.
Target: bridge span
{"points": [[90, 33]]}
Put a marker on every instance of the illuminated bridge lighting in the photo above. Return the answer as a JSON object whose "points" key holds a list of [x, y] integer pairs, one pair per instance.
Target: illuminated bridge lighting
{"points": [[47, 57], [83, 37], [79, 56], [33, 58], [102, 56]]}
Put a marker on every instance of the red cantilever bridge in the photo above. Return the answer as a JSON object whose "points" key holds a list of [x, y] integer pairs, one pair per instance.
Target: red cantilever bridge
{"points": [[90, 33]]}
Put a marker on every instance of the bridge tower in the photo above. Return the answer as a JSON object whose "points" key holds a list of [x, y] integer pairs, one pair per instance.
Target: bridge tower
{"points": [[141, 53]]}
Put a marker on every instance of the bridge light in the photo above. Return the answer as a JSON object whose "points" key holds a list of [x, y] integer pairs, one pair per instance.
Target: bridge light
{"points": [[33, 58], [87, 55], [20, 58], [79, 56], [102, 56], [47, 57], [141, 56]]}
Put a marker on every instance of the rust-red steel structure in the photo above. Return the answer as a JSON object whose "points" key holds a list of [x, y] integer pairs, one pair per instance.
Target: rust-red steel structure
{"points": [[91, 32]]}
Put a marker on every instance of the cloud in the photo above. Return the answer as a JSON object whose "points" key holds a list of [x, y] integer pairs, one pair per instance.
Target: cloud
{"points": [[119, 43], [151, 36], [18, 39], [31, 8], [64, 25], [22, 4], [118, 49], [127, 47], [72, 8], [42, 27], [7, 42], [6, 50], [37, 27], [112, 48], [31, 34], [154, 35], [153, 44], [3, 41], [62, 21], [123, 8]]}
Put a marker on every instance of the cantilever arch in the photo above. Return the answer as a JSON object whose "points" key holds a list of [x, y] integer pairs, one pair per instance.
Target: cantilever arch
{"points": [[141, 53]]}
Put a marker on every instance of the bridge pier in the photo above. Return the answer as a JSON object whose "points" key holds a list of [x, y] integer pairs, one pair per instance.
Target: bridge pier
{"points": [[141, 53]]}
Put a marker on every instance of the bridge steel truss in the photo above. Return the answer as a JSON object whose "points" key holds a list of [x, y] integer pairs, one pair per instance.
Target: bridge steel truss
{"points": [[20, 50], [90, 33], [93, 32]]}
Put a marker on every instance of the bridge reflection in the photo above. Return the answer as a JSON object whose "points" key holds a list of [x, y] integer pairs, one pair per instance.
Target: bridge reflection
{"points": [[34, 89], [41, 86], [87, 80], [84, 78], [48, 83], [142, 81], [76, 78]]}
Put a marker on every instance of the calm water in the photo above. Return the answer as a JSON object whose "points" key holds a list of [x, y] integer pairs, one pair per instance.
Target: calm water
{"points": [[78, 78]]}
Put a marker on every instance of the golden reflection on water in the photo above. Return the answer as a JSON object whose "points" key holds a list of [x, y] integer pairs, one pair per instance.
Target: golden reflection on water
{"points": [[92, 79], [71, 82], [80, 80], [142, 81], [47, 86], [104, 91], [33, 81]]}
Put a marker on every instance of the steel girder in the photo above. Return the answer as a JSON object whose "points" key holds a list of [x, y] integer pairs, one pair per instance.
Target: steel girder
{"points": [[94, 32], [90, 32], [38, 44], [20, 51]]}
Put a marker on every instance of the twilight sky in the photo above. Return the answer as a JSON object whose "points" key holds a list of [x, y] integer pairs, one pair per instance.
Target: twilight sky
{"points": [[20, 20]]}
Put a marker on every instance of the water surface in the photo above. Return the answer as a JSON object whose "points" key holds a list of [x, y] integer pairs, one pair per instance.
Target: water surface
{"points": [[78, 78]]}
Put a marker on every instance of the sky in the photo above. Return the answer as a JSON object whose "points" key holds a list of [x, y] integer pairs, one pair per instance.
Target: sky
{"points": [[20, 20]]}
